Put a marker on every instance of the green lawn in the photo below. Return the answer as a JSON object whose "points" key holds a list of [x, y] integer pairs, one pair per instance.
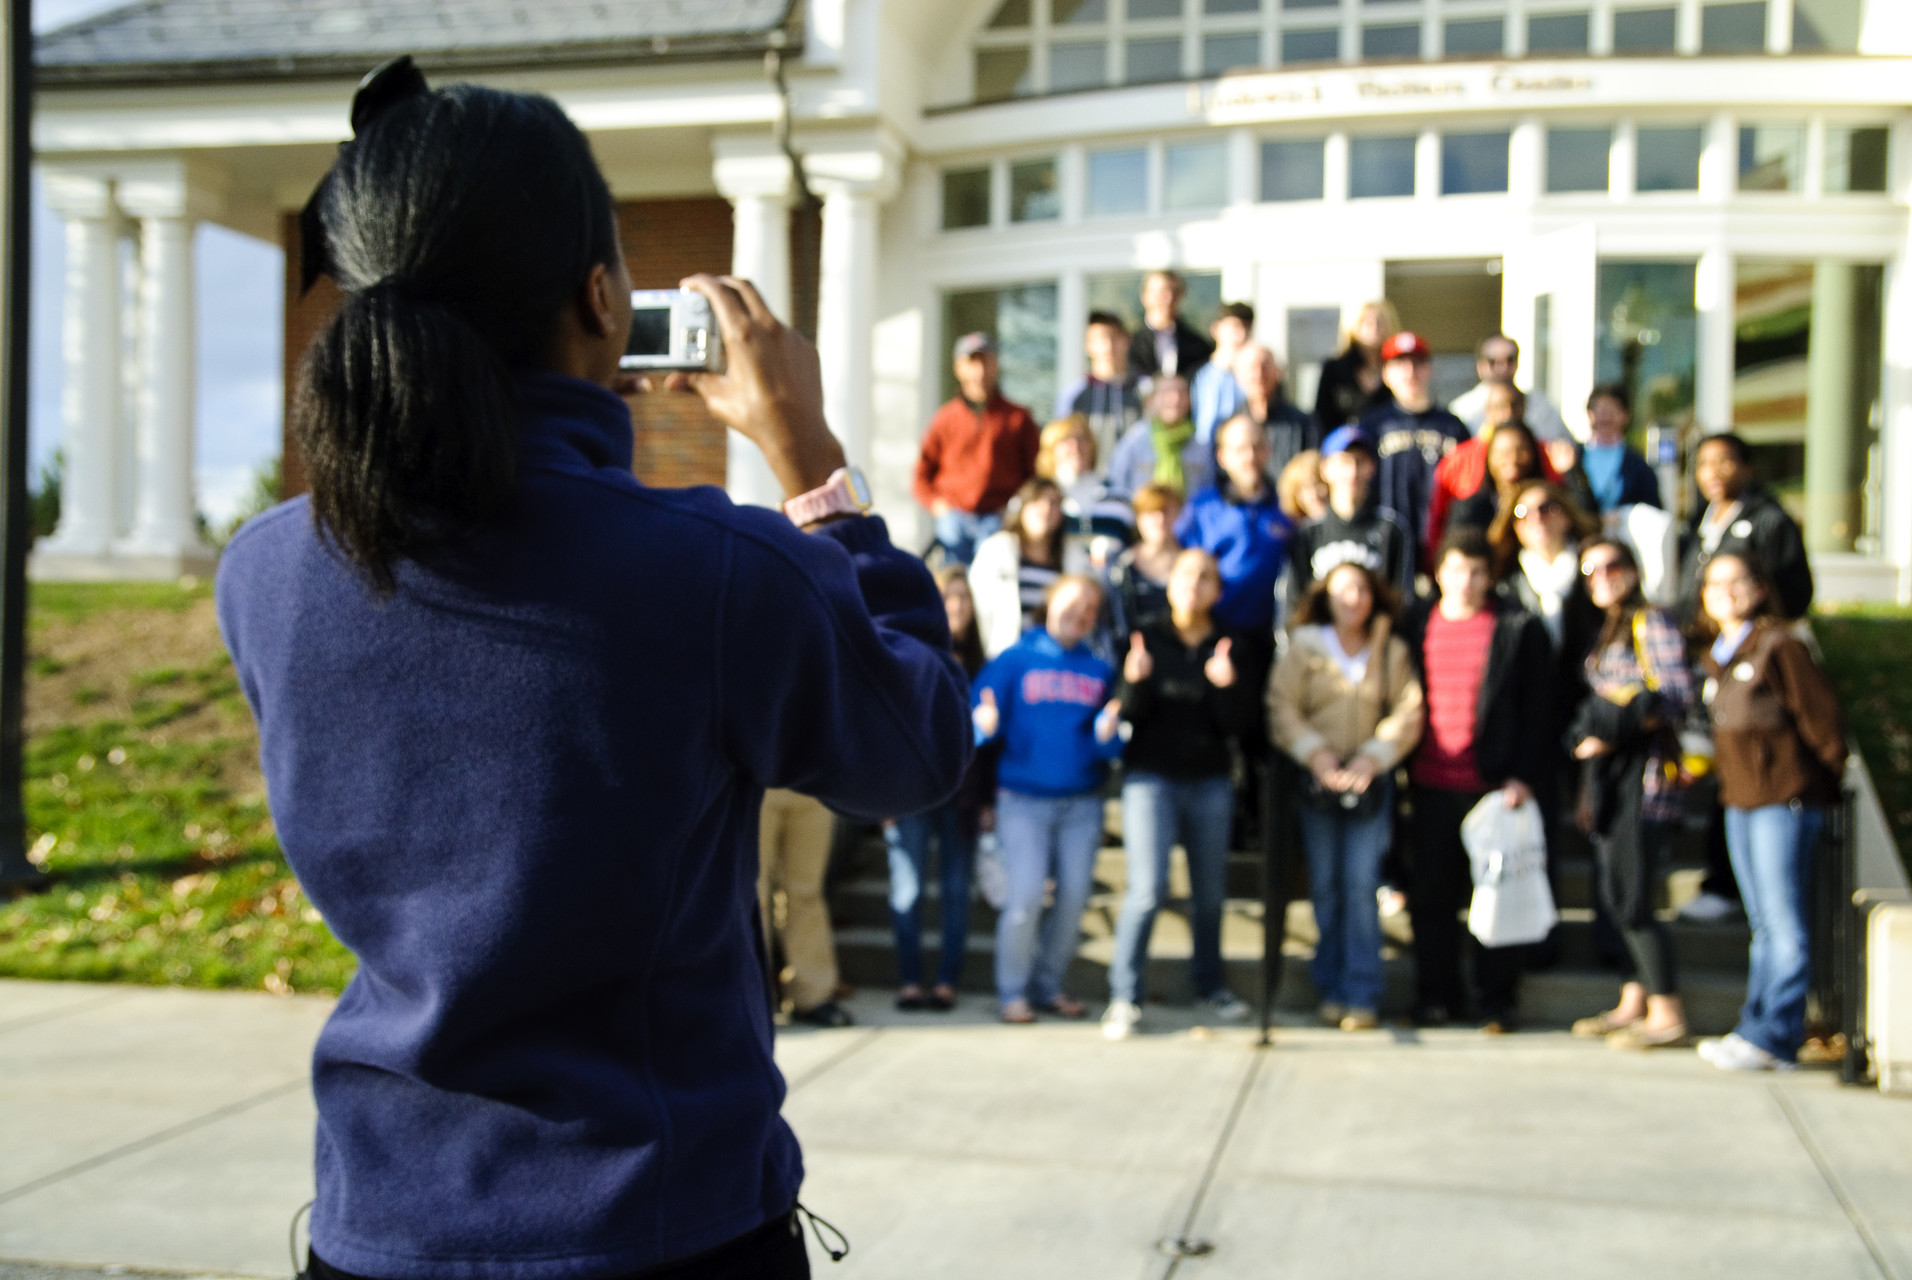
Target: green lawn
{"points": [[1868, 652]]}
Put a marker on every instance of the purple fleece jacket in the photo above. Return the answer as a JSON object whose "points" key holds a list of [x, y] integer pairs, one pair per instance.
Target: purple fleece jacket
{"points": [[524, 791]]}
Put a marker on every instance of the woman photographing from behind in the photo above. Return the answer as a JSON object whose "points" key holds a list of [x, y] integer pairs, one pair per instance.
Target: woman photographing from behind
{"points": [[518, 711]]}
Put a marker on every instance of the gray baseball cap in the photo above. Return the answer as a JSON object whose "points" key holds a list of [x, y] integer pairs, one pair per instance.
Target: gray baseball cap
{"points": [[974, 344]]}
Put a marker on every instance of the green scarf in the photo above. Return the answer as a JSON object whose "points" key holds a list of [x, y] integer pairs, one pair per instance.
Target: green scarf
{"points": [[1169, 439]]}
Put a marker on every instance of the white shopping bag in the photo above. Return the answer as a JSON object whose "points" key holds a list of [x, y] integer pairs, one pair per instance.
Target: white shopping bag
{"points": [[1508, 848], [991, 876]]}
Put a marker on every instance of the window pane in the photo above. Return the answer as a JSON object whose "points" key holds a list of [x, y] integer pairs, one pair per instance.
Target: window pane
{"points": [[1806, 343], [1033, 194], [1118, 181], [1311, 46], [1077, 66], [1668, 159], [1380, 167], [1155, 8], [1831, 26], [1066, 12], [1314, 338], [1196, 176], [1022, 319], [1001, 73], [1733, 28], [1577, 159], [965, 198], [1855, 159], [1014, 13], [1473, 162], [1557, 33], [1293, 170], [1231, 6], [1475, 35], [1646, 338], [1770, 157], [1310, 4], [1643, 30], [1396, 40], [1154, 60], [1227, 53]]}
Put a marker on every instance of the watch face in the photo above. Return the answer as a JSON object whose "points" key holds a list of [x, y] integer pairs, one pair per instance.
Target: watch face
{"points": [[859, 488]]}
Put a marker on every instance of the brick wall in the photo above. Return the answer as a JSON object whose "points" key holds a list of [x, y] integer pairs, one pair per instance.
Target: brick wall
{"points": [[677, 442]]}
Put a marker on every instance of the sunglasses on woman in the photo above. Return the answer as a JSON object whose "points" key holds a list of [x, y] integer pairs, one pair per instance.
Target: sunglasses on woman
{"points": [[1547, 508]]}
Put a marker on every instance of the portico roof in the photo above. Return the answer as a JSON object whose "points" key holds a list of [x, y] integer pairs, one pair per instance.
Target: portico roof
{"points": [[153, 41]]}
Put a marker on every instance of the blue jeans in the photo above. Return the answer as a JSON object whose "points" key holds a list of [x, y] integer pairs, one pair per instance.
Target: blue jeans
{"points": [[909, 840], [1344, 870], [1043, 837], [1156, 812], [960, 531], [1771, 849]]}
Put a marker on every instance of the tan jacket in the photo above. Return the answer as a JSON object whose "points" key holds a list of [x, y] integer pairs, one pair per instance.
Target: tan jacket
{"points": [[1311, 705]]}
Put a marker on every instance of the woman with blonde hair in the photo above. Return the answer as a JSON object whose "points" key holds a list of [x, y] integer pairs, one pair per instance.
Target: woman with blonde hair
{"points": [[1351, 382], [1346, 704], [1300, 489], [1015, 566], [1095, 518]]}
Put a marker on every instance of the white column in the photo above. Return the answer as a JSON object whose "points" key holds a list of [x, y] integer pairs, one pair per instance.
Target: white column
{"points": [[1527, 161], [90, 400], [1715, 297], [759, 188], [846, 309], [163, 508], [1719, 159]]}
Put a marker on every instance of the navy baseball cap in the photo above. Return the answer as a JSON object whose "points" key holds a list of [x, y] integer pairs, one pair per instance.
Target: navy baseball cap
{"points": [[1342, 439]]}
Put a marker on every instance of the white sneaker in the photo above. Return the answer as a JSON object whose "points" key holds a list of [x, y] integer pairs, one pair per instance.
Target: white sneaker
{"points": [[1734, 1054], [1710, 908], [1225, 1005], [1121, 1019]]}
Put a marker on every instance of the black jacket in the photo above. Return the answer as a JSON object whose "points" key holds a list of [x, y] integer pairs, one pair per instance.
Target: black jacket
{"points": [[1192, 351], [1510, 741], [1339, 398], [1764, 528], [1580, 623], [1181, 724], [1375, 537], [1289, 431]]}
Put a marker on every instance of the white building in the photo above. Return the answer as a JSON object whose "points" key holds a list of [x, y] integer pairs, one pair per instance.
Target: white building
{"points": [[1705, 198]]}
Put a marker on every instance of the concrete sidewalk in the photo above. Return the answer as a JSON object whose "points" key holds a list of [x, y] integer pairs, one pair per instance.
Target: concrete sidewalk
{"points": [[171, 1131]]}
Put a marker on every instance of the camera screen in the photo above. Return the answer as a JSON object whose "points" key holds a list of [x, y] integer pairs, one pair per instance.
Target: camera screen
{"points": [[650, 332]]}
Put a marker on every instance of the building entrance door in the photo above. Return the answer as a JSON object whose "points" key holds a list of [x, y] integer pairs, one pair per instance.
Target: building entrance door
{"points": [[1453, 303]]}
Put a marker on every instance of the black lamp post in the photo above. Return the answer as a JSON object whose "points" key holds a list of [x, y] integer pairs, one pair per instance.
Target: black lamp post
{"points": [[16, 43]]}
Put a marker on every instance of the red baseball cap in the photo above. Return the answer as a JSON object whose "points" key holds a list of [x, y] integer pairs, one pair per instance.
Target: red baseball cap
{"points": [[1406, 345]]}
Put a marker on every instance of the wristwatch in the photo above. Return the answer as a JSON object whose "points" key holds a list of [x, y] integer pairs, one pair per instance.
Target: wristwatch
{"points": [[845, 493]]}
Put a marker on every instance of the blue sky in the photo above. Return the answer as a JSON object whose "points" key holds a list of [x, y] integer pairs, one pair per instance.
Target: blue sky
{"points": [[240, 283]]}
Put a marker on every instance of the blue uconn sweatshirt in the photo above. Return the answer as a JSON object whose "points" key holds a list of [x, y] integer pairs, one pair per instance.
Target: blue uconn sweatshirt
{"points": [[524, 790], [1048, 697]]}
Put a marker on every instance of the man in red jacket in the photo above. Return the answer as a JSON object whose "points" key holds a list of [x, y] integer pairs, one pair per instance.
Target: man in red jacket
{"points": [[978, 450]]}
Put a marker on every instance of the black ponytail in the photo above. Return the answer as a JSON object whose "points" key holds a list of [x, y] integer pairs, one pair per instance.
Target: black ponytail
{"points": [[459, 223]]}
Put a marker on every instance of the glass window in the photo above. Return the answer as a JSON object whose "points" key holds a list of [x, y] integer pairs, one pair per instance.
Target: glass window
{"points": [[1195, 176], [1151, 61], [1314, 338], [1380, 167], [1013, 13], [1118, 181], [1310, 4], [1556, 33], [1830, 26], [1022, 319], [1855, 159], [1033, 193], [1293, 170], [1231, 6], [1395, 40], [1668, 159], [1078, 66], [1577, 159], [1646, 338], [1474, 35], [1771, 157], [1311, 46], [1643, 30], [1226, 53], [1001, 73], [1473, 162], [965, 198], [1733, 28], [1154, 9], [1806, 348], [1075, 12]]}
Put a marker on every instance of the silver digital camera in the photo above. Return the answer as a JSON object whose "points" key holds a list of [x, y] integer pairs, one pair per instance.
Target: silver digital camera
{"points": [[673, 330]]}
